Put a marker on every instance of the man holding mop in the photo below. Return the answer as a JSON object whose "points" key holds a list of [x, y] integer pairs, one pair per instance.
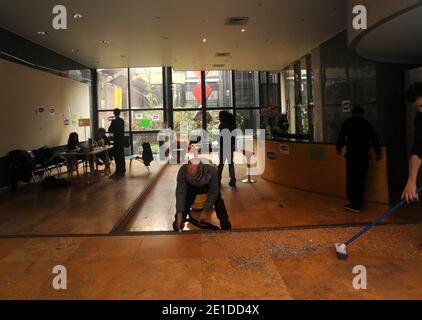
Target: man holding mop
{"points": [[414, 96]]}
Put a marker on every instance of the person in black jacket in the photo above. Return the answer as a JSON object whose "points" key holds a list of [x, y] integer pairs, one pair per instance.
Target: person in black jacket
{"points": [[73, 142], [410, 194], [227, 121], [117, 128], [358, 135]]}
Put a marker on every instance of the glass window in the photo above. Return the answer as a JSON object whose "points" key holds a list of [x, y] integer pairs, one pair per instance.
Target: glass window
{"points": [[143, 120], [187, 89], [113, 89], [246, 89], [146, 85], [248, 119], [219, 89], [191, 119], [270, 89], [140, 138], [105, 118]]}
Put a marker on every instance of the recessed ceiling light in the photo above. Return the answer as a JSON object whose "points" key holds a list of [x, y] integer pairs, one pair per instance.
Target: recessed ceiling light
{"points": [[75, 50], [105, 41], [77, 16], [243, 30], [204, 40], [42, 33]]}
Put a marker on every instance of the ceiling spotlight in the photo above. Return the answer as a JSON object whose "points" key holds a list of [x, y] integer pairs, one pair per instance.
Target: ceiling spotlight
{"points": [[204, 40], [243, 30], [75, 50], [105, 41], [77, 16], [42, 33]]}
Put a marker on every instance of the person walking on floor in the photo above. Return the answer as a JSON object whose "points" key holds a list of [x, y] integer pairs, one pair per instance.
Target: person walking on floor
{"points": [[226, 154], [117, 128], [358, 135]]}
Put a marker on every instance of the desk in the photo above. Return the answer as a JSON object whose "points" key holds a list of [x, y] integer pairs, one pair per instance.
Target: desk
{"points": [[91, 158]]}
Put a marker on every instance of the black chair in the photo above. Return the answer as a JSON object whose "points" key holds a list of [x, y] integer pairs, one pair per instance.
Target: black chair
{"points": [[24, 167], [146, 158]]}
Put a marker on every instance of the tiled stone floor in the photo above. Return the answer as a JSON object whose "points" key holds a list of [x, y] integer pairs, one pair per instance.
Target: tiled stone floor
{"points": [[289, 264]]}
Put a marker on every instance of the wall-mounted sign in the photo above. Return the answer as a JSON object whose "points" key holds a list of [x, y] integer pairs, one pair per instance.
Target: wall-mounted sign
{"points": [[272, 156], [74, 119], [284, 148], [145, 123], [346, 105]]}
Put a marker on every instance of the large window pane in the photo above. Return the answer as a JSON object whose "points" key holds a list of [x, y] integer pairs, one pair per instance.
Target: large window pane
{"points": [[112, 89], [248, 119], [187, 89], [151, 138], [147, 120], [247, 89], [191, 119], [219, 89], [105, 118], [146, 86], [213, 120]]}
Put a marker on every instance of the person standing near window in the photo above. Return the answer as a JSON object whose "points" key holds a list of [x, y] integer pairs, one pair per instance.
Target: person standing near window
{"points": [[117, 128], [358, 135]]}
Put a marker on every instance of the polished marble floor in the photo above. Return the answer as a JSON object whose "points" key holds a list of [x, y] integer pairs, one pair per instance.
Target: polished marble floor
{"points": [[285, 264], [260, 205], [81, 209]]}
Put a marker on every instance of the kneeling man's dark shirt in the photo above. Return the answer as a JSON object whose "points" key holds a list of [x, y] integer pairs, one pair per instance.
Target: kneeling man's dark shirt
{"points": [[208, 176]]}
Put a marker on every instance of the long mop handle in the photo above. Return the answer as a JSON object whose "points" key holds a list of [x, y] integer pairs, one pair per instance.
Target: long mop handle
{"points": [[385, 215]]}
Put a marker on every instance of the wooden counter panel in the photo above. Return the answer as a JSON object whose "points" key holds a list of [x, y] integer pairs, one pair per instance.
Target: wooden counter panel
{"points": [[318, 168]]}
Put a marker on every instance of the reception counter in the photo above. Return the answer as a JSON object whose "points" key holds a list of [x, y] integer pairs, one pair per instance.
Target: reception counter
{"points": [[318, 168]]}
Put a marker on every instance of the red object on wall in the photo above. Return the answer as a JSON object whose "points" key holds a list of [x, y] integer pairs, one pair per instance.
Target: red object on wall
{"points": [[197, 93]]}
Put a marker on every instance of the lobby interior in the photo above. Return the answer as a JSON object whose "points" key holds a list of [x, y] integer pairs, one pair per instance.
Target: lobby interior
{"points": [[178, 64]]}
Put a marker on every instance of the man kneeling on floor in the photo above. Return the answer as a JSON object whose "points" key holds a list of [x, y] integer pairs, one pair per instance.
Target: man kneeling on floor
{"points": [[197, 178]]}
